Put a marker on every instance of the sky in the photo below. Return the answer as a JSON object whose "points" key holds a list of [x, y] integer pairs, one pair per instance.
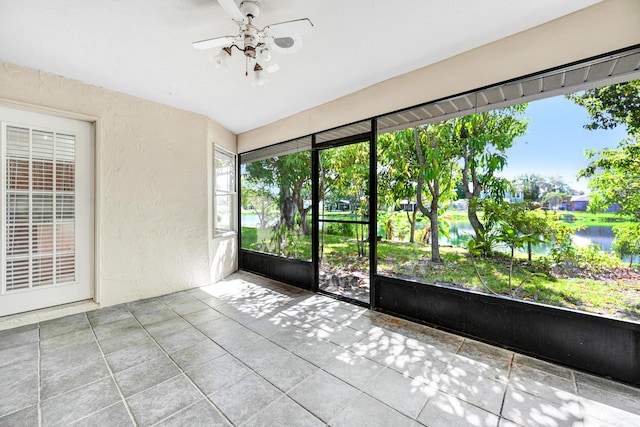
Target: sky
{"points": [[556, 141]]}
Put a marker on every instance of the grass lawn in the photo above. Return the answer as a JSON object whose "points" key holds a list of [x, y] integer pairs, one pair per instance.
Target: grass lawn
{"points": [[600, 219], [604, 295]]}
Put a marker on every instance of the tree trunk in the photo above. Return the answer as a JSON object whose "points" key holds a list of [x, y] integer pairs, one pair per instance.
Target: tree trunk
{"points": [[432, 214], [288, 209], [435, 245], [358, 241], [262, 217], [412, 223], [478, 228], [471, 193], [304, 224], [511, 269]]}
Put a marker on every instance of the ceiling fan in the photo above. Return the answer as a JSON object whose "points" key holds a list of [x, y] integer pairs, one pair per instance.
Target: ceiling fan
{"points": [[257, 45]]}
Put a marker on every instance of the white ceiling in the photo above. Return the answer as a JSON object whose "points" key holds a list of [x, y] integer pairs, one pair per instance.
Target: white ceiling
{"points": [[143, 47]]}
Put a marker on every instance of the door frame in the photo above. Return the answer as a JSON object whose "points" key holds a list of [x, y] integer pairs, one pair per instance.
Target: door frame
{"points": [[94, 175], [316, 147]]}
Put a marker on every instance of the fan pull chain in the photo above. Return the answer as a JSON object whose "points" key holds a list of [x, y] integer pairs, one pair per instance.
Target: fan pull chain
{"points": [[246, 66]]}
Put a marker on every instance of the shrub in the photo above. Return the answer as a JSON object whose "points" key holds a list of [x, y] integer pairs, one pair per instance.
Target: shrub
{"points": [[591, 257], [341, 229], [627, 241]]}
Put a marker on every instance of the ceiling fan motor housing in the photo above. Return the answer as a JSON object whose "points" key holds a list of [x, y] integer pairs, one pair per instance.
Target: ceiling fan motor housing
{"points": [[250, 8], [251, 38]]}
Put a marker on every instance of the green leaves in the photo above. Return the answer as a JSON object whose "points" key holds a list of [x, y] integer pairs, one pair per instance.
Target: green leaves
{"points": [[614, 173], [610, 106], [615, 179], [627, 241]]}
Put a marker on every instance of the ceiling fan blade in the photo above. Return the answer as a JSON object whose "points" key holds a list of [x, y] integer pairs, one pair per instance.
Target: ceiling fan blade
{"points": [[232, 10], [298, 27], [211, 43]]}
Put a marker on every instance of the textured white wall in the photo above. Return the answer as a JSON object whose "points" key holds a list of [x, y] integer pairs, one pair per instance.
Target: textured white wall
{"points": [[152, 177]]}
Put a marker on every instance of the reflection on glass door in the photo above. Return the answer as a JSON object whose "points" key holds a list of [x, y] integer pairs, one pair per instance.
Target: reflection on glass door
{"points": [[343, 222]]}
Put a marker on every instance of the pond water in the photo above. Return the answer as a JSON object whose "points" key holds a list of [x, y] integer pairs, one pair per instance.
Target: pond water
{"points": [[460, 233], [603, 236], [249, 220]]}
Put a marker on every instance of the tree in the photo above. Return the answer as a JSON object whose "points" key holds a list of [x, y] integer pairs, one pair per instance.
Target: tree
{"points": [[344, 174], [516, 224], [481, 141], [627, 241], [437, 173], [260, 199], [398, 174], [613, 105], [530, 185], [553, 199], [615, 178], [614, 173], [425, 172], [291, 174]]}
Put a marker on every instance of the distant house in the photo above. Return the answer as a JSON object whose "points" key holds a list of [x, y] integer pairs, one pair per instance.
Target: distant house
{"points": [[341, 206], [578, 203], [407, 206], [613, 208], [581, 204], [460, 204], [510, 197], [516, 197]]}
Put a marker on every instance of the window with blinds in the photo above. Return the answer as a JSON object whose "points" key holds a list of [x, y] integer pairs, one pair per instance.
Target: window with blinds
{"points": [[40, 208]]}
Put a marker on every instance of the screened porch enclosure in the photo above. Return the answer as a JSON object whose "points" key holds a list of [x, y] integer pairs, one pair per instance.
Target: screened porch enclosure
{"points": [[317, 213]]}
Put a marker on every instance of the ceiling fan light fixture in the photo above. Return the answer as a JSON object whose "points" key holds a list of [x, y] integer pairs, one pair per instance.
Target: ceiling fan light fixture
{"points": [[259, 77], [264, 53], [272, 67], [257, 44], [220, 60]]}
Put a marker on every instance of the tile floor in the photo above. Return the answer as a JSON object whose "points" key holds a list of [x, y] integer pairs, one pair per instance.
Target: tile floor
{"points": [[253, 352]]}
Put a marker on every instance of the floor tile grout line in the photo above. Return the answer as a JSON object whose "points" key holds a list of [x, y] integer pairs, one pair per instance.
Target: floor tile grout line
{"points": [[375, 398], [182, 371], [284, 396], [575, 382], [506, 387], [85, 385], [290, 352], [309, 410], [175, 413], [285, 393], [360, 390], [39, 379], [94, 412], [424, 405], [231, 353], [112, 374], [76, 388]]}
